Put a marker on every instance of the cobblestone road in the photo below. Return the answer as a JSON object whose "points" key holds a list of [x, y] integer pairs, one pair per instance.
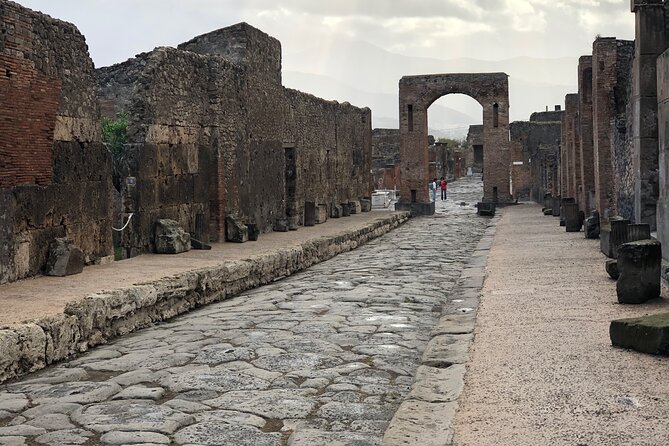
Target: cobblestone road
{"points": [[323, 357]]}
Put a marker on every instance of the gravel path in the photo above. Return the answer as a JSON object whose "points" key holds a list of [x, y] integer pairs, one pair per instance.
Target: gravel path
{"points": [[323, 357], [542, 369]]}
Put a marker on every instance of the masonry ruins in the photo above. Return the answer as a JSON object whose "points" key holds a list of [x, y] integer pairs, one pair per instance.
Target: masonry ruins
{"points": [[213, 140]]}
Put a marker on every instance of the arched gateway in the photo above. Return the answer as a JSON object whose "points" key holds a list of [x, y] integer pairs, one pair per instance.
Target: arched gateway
{"points": [[417, 93]]}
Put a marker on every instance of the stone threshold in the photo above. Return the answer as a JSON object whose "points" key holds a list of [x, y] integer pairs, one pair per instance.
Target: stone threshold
{"points": [[426, 415], [103, 316]]}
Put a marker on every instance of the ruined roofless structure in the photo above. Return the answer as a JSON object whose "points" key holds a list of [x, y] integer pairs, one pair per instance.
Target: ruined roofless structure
{"points": [[212, 134]]}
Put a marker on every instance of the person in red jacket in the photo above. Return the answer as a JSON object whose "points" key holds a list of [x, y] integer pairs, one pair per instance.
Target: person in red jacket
{"points": [[443, 185]]}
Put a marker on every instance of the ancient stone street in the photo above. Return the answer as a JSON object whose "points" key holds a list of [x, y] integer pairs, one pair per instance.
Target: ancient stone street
{"points": [[323, 357]]}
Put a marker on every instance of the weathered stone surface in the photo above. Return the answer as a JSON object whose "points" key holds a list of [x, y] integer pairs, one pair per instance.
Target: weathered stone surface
{"points": [[572, 217], [221, 378], [591, 226], [21, 430], [254, 231], [321, 214], [74, 392], [438, 385], [447, 349], [235, 230], [354, 411], [215, 433], [639, 264], [131, 416], [354, 207], [548, 211], [52, 422], [421, 423], [310, 210], [51, 408], [232, 417], [310, 437], [611, 266], [65, 436], [170, 238], [280, 225], [346, 210], [197, 244], [65, 258], [336, 210], [13, 402], [115, 438], [365, 205], [278, 403], [648, 334], [140, 393], [12, 441]]}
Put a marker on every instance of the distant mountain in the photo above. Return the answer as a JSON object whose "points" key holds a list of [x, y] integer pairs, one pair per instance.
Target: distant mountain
{"points": [[366, 75]]}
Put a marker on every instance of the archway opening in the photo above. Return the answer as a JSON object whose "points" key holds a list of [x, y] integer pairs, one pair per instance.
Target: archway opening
{"points": [[456, 123]]}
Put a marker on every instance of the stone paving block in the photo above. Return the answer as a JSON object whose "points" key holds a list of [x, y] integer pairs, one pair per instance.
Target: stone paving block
{"points": [[215, 434], [447, 349], [12, 441], [73, 392], [312, 437], [131, 416], [421, 423], [648, 334], [437, 385], [118, 438], [455, 324], [64, 437]]}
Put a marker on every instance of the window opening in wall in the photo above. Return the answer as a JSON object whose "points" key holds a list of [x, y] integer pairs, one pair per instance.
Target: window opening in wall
{"points": [[410, 113], [8, 72], [494, 194], [495, 115], [413, 195]]}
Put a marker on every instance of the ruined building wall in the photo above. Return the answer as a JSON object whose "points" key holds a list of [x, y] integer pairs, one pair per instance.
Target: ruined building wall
{"points": [[55, 175], [385, 158], [536, 144], [621, 128], [215, 124]]}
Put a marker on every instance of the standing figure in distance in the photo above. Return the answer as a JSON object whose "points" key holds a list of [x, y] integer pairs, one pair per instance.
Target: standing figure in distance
{"points": [[443, 185]]}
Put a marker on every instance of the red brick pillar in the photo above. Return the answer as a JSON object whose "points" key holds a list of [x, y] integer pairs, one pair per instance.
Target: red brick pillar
{"points": [[586, 195]]}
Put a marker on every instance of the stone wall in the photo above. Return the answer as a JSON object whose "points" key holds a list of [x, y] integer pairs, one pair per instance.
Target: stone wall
{"points": [[535, 144], [385, 147], [217, 128], [55, 174]]}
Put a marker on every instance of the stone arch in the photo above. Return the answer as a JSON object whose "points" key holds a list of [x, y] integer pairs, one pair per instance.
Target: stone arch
{"points": [[417, 93]]}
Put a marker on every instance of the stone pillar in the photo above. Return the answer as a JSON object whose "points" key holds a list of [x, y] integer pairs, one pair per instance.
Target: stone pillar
{"points": [[604, 75], [649, 44], [663, 118], [586, 196], [572, 144], [572, 217]]}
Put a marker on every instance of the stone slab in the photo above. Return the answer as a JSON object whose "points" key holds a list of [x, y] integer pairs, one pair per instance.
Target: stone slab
{"points": [[648, 334], [421, 423]]}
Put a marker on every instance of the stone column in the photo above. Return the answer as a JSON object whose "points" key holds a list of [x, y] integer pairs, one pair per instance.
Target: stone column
{"points": [[572, 111], [663, 118], [586, 195], [649, 44], [604, 75]]}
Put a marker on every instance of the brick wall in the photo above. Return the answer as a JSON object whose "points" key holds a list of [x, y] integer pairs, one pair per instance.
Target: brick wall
{"points": [[55, 175]]}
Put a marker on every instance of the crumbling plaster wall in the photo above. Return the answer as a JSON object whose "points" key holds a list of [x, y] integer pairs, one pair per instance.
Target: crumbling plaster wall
{"points": [[55, 174]]}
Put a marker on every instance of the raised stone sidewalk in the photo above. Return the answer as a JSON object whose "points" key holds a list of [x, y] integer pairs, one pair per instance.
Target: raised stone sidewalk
{"points": [[48, 319]]}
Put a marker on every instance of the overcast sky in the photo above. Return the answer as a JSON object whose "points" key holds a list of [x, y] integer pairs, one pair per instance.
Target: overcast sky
{"points": [[486, 29], [491, 30]]}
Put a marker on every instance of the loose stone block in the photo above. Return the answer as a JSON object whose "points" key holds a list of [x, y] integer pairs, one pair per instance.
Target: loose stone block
{"points": [[65, 258], [592, 226], [612, 268], [548, 211], [321, 214], [280, 225], [197, 244], [556, 206], [639, 264], [618, 234], [648, 334], [235, 230], [486, 209], [336, 211], [310, 210], [346, 210], [572, 217], [170, 238], [355, 207], [254, 231], [365, 205]]}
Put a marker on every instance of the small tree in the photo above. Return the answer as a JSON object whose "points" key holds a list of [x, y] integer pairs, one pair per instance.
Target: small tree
{"points": [[114, 137]]}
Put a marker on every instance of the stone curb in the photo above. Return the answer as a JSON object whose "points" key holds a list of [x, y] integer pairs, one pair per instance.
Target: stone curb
{"points": [[426, 416], [100, 317]]}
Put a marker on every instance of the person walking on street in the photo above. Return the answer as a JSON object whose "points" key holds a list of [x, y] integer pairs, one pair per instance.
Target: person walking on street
{"points": [[433, 188], [443, 185]]}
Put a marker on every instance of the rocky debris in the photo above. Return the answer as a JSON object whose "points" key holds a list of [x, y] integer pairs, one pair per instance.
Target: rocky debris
{"points": [[197, 244], [592, 226], [639, 264], [280, 225], [170, 238], [64, 259], [254, 231], [235, 230], [336, 211], [612, 268], [365, 205], [648, 334]]}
